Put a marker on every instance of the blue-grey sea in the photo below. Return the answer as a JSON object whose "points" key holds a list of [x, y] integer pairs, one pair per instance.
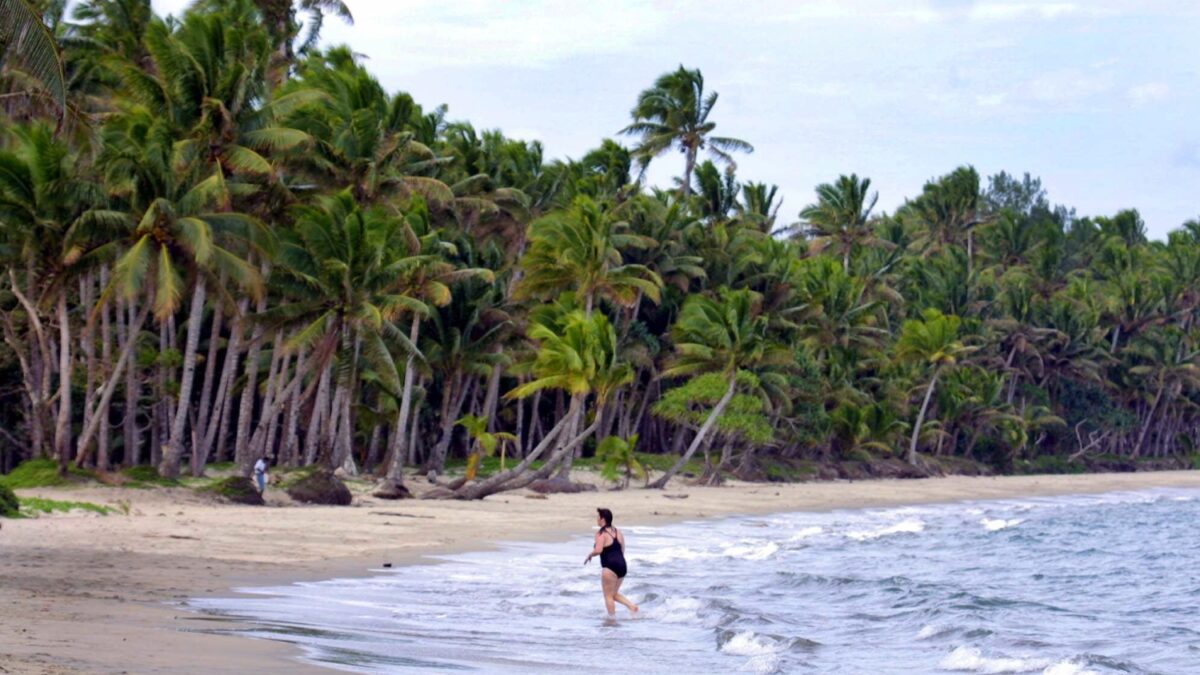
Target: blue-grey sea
{"points": [[1060, 586]]}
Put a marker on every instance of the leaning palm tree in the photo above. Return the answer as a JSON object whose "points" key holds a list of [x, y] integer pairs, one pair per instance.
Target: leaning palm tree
{"points": [[578, 354], [931, 341], [674, 113], [27, 43], [840, 218], [723, 335]]}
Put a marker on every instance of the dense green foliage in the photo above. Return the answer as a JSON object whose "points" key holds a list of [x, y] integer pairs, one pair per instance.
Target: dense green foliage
{"points": [[9, 506], [244, 246]]}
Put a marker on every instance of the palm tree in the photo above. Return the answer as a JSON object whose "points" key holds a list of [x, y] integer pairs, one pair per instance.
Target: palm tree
{"points": [[363, 138], [187, 239], [723, 335], [674, 113], [931, 341], [45, 229], [284, 29], [26, 41], [577, 354], [486, 442], [429, 282], [580, 250], [840, 218], [1170, 364]]}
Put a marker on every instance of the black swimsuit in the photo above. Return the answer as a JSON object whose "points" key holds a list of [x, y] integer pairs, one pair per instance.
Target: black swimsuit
{"points": [[612, 557]]}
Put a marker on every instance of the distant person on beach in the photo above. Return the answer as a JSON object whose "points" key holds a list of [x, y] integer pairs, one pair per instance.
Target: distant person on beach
{"points": [[610, 546], [260, 474]]}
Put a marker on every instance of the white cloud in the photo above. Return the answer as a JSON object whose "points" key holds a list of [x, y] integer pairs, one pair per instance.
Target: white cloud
{"points": [[1015, 11], [824, 89], [419, 34], [1067, 86], [991, 100], [1150, 92]]}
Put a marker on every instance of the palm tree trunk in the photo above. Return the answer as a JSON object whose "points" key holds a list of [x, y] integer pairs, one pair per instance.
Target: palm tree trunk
{"points": [[216, 429], [261, 447], [204, 414], [395, 474], [564, 472], [62, 428], [704, 429], [916, 435], [110, 387], [40, 368], [87, 346], [1137, 449], [492, 400], [174, 449], [106, 346], [132, 452], [455, 396], [278, 382], [689, 167], [312, 435]]}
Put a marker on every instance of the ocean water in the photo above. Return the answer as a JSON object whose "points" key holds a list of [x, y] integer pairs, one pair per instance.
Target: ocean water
{"points": [[1060, 586]]}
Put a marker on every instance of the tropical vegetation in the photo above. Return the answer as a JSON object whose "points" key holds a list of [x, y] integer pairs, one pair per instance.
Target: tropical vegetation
{"points": [[221, 240]]}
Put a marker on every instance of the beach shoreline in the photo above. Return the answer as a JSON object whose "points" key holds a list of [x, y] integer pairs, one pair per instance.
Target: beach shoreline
{"points": [[92, 594]]}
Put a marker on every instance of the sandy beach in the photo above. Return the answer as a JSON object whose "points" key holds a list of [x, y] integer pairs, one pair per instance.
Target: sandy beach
{"points": [[101, 594]]}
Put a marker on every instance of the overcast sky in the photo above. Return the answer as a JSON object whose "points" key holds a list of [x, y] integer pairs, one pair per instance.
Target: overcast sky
{"points": [[1101, 98]]}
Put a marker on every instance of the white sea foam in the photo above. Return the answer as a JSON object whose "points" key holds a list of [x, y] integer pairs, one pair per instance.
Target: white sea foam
{"points": [[927, 631], [971, 660], [672, 553], [752, 552], [1068, 668], [578, 586], [806, 533], [911, 526], [748, 644], [763, 664], [994, 524], [679, 610]]}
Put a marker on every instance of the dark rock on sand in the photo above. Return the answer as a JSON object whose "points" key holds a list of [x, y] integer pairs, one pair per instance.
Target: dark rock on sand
{"points": [[321, 487]]}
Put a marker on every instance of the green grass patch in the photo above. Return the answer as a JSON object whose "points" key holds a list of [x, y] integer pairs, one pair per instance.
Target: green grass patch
{"points": [[787, 471], [289, 477], [146, 477], [36, 473], [237, 489], [661, 463], [1054, 464], [38, 505]]}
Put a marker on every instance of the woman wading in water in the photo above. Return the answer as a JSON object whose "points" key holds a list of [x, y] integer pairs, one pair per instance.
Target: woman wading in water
{"points": [[610, 546]]}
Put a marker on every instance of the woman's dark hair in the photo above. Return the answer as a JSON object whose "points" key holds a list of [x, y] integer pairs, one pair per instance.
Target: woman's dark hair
{"points": [[606, 515]]}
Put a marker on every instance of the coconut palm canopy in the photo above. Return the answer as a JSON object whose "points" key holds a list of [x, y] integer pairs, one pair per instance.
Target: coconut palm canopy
{"points": [[250, 247]]}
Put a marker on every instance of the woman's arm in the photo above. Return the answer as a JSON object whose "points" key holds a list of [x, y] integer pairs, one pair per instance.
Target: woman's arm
{"points": [[596, 549]]}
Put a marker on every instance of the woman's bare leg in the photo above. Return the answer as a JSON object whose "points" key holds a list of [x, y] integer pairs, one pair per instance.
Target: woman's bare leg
{"points": [[609, 584], [633, 609]]}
